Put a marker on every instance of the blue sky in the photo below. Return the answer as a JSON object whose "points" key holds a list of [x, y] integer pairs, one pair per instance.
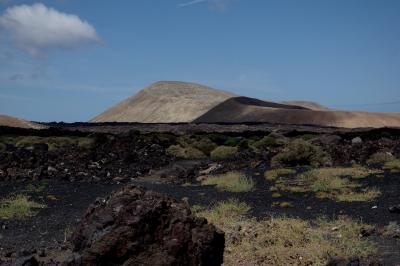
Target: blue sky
{"points": [[341, 53]]}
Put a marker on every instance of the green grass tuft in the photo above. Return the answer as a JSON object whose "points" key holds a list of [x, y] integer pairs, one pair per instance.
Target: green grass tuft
{"points": [[19, 206]]}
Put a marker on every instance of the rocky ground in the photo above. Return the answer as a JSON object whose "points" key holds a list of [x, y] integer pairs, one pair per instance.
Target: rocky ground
{"points": [[67, 167]]}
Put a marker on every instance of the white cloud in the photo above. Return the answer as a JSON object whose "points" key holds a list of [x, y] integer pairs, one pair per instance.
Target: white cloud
{"points": [[191, 3], [219, 5], [37, 29]]}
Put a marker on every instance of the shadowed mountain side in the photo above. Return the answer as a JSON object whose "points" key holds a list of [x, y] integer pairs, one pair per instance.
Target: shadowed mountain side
{"points": [[256, 102], [10, 121], [235, 110], [307, 104], [165, 102]]}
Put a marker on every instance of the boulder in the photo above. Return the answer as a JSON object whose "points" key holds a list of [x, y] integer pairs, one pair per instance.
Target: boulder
{"points": [[138, 227]]}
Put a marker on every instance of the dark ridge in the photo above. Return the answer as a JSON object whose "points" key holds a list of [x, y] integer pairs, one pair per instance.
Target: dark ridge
{"points": [[257, 102]]}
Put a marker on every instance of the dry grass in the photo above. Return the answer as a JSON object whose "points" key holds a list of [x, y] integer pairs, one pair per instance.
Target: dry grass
{"points": [[392, 230], [333, 182], [273, 174], [197, 208], [231, 181], [366, 195], [226, 213], [19, 206], [393, 166], [285, 241], [355, 172], [380, 158], [276, 195]]}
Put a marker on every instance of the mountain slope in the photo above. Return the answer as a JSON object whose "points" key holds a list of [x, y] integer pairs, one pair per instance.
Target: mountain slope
{"points": [[10, 121], [165, 102], [241, 110], [307, 104]]}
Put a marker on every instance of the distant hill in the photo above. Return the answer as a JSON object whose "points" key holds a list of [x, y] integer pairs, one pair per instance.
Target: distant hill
{"points": [[308, 104], [10, 121], [242, 110], [165, 102], [174, 102]]}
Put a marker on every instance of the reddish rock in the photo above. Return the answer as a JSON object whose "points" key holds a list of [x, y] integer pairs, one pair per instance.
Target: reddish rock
{"points": [[138, 227]]}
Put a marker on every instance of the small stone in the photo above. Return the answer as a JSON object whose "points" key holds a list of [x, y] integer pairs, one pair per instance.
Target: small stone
{"points": [[51, 170], [185, 200], [118, 179], [356, 140], [395, 209]]}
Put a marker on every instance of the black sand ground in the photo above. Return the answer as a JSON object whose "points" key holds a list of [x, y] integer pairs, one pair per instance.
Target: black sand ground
{"points": [[52, 225], [66, 203]]}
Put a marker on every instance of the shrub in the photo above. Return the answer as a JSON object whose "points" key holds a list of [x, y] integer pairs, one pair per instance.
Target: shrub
{"points": [[18, 207], [54, 143], [307, 137], [231, 181], [380, 158], [219, 139], [268, 141], [204, 145], [223, 152], [185, 153], [300, 152], [232, 142]]}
